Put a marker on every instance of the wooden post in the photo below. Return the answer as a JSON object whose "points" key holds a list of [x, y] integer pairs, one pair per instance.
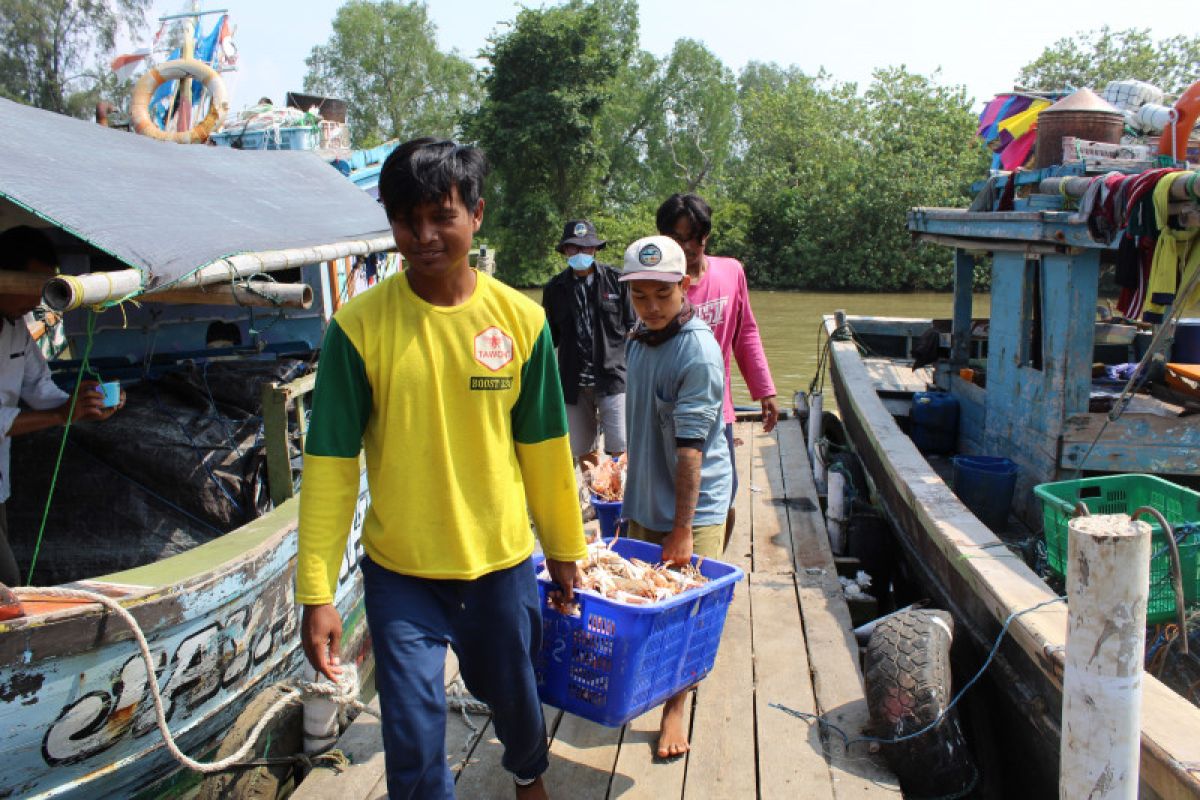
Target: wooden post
{"points": [[815, 406], [1108, 578], [964, 285], [184, 119], [275, 432]]}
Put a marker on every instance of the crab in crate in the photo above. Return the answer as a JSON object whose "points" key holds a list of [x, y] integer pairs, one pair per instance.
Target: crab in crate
{"points": [[606, 480], [609, 574]]}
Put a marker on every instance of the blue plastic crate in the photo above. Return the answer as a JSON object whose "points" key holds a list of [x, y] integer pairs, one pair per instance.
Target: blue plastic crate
{"points": [[615, 661], [243, 139], [298, 138]]}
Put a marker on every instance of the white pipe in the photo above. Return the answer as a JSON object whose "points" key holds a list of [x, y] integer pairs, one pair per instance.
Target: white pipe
{"points": [[68, 292], [819, 471], [265, 294], [1108, 578], [836, 515], [815, 405], [244, 264]]}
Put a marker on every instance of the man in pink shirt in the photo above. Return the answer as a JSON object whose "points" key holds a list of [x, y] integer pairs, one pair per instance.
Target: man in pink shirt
{"points": [[722, 299]]}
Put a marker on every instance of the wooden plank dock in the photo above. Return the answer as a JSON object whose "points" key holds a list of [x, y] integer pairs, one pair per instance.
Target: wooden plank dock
{"points": [[787, 641]]}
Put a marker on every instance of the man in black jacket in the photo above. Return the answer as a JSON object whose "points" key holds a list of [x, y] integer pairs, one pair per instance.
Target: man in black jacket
{"points": [[589, 314]]}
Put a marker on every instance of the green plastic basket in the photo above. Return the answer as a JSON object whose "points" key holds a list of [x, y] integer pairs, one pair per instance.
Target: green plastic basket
{"points": [[1123, 494]]}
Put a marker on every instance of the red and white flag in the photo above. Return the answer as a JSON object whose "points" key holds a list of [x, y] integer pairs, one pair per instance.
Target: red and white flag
{"points": [[126, 65]]}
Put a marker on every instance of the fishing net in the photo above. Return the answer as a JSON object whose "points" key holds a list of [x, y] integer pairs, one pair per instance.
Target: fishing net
{"points": [[183, 463]]}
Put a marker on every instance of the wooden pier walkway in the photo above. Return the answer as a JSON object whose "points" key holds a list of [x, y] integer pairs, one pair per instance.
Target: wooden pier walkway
{"points": [[787, 640]]}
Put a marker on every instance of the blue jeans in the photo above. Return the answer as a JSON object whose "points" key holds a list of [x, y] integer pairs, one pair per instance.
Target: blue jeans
{"points": [[494, 624]]}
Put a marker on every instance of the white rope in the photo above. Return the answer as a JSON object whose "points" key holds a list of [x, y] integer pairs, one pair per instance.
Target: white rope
{"points": [[342, 692], [459, 697]]}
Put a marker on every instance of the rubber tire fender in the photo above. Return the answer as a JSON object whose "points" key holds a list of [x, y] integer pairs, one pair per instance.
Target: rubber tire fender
{"points": [[908, 685]]}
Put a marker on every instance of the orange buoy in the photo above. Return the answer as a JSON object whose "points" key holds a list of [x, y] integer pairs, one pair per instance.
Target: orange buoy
{"points": [[139, 112], [1175, 137]]}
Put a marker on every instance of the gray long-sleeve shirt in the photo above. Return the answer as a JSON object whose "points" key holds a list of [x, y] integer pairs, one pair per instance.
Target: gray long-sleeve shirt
{"points": [[675, 391]]}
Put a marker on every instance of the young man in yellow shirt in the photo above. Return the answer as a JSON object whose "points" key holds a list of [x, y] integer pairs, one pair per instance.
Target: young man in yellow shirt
{"points": [[446, 379]]}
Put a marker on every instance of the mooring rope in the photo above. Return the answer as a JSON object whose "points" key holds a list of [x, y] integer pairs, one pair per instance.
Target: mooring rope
{"points": [[343, 692]]}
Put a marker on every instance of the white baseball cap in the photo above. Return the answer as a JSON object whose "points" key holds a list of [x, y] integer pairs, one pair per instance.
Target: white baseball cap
{"points": [[654, 258]]}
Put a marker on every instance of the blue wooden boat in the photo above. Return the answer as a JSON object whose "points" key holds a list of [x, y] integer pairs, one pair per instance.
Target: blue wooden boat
{"points": [[221, 620], [1036, 344]]}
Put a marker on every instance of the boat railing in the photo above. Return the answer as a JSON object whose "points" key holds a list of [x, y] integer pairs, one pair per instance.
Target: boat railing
{"points": [[278, 399]]}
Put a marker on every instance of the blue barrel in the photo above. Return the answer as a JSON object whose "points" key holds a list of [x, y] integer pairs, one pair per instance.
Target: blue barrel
{"points": [[985, 484], [934, 418], [1187, 342], [607, 514]]}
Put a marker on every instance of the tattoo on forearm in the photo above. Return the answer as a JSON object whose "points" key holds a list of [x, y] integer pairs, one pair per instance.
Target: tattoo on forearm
{"points": [[687, 485]]}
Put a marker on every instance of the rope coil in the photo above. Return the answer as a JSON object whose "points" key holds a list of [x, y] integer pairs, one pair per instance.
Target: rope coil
{"points": [[343, 692]]}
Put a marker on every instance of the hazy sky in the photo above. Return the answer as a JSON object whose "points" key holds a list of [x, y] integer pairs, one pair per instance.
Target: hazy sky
{"points": [[977, 44]]}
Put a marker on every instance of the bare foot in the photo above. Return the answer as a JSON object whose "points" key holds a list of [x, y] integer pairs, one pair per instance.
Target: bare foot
{"points": [[534, 791], [673, 735]]}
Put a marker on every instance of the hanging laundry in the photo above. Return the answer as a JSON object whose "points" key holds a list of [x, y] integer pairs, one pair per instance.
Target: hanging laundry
{"points": [[1176, 256]]}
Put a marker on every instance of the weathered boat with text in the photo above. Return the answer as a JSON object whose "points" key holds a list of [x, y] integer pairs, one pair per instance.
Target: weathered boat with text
{"points": [[1037, 346], [161, 243]]}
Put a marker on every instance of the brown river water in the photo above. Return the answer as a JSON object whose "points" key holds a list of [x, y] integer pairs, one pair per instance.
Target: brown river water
{"points": [[788, 322]]}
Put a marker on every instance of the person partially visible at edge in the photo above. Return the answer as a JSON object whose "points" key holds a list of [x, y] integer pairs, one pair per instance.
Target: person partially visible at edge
{"points": [[589, 314], [680, 475], [29, 400], [721, 297], [446, 379]]}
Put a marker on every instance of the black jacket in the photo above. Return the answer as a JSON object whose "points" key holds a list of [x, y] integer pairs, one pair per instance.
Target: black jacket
{"points": [[612, 318]]}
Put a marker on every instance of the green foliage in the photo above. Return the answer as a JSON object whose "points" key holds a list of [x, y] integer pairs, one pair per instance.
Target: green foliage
{"points": [[828, 176], [382, 58], [691, 139], [1094, 58], [53, 53], [549, 78]]}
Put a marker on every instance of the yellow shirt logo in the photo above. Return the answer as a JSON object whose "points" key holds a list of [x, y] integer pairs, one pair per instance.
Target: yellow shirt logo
{"points": [[493, 348]]}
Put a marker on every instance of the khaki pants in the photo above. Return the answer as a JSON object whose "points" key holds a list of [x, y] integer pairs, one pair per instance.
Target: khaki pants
{"points": [[707, 540]]}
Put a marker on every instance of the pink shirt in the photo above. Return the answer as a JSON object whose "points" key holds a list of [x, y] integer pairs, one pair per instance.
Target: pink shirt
{"points": [[722, 299]]}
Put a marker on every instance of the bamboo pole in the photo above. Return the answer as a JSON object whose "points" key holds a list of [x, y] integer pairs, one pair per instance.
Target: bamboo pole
{"points": [[260, 294], [1075, 187], [184, 117], [68, 292], [246, 264], [1108, 579]]}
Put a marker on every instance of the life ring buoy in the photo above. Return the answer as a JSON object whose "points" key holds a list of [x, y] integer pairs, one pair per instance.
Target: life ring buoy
{"points": [[139, 115], [1175, 137]]}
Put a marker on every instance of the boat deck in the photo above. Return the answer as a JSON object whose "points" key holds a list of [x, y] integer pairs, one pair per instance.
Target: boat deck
{"points": [[787, 641]]}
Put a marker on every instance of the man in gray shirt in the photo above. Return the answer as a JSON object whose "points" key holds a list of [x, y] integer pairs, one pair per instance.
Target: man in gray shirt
{"points": [[680, 475]]}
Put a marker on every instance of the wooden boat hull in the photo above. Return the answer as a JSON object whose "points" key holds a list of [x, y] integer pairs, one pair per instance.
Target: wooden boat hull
{"points": [[76, 718], [966, 570]]}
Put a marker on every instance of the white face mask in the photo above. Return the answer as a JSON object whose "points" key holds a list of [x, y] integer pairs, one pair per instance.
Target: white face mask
{"points": [[581, 262]]}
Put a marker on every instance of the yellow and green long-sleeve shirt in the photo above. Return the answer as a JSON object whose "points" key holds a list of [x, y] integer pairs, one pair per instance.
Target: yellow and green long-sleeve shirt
{"points": [[460, 415]]}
